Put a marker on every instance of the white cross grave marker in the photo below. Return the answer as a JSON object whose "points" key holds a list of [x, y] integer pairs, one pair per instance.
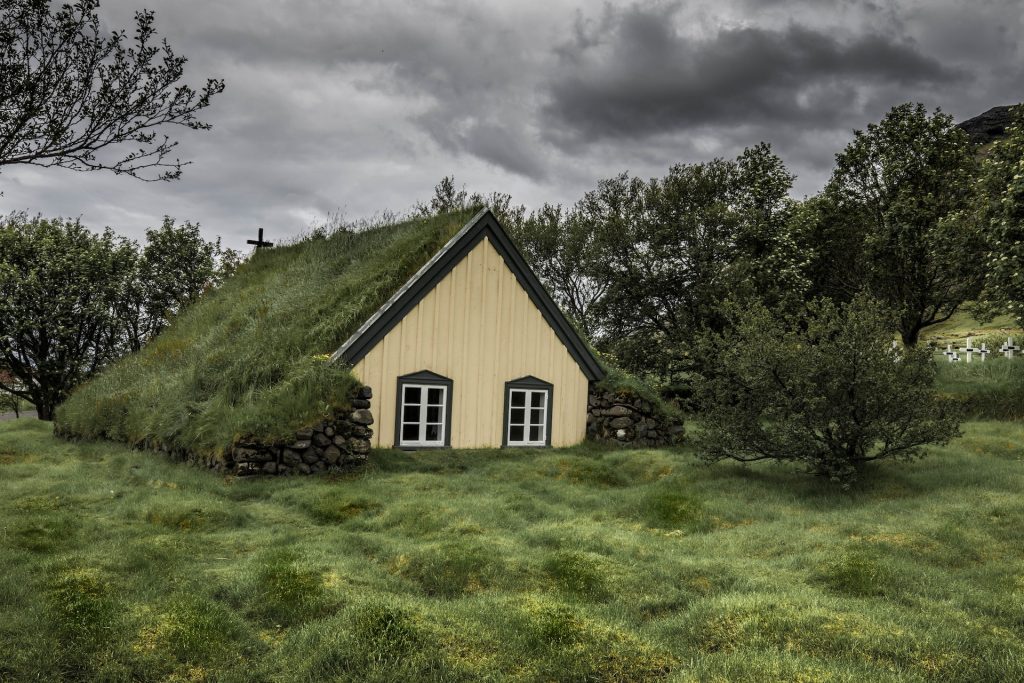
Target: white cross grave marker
{"points": [[950, 354], [969, 350], [1009, 347], [983, 351]]}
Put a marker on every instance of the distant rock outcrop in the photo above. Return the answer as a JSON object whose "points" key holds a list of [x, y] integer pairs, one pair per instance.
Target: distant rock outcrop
{"points": [[989, 126]]}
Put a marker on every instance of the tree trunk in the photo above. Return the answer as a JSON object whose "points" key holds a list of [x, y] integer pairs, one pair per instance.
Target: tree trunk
{"points": [[44, 412], [910, 337]]}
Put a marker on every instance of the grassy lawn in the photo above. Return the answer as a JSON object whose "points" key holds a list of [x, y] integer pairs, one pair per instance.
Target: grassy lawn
{"points": [[581, 564]]}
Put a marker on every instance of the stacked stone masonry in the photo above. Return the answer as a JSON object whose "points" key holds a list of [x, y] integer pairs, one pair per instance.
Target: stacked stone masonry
{"points": [[626, 419], [334, 445], [337, 444]]}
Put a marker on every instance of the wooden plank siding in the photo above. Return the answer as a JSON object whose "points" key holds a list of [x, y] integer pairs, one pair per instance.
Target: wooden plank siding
{"points": [[479, 328]]}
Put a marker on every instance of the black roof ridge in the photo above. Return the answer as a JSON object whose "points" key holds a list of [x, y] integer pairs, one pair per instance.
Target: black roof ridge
{"points": [[483, 224]]}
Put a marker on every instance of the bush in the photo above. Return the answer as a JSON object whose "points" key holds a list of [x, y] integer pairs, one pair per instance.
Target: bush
{"points": [[824, 389]]}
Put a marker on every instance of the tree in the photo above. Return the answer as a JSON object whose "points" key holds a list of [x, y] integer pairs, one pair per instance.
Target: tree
{"points": [[175, 267], [566, 253], [676, 248], [822, 388], [75, 97], [59, 286], [1001, 213], [71, 301], [907, 183], [8, 401], [448, 197]]}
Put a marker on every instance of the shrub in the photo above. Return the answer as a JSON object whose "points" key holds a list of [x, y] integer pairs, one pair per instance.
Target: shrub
{"points": [[823, 388]]}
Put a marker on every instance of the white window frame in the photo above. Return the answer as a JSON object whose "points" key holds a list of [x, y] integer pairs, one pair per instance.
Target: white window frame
{"points": [[527, 423], [422, 441]]}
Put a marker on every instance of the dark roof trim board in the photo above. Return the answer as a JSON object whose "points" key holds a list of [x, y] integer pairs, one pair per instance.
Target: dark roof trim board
{"points": [[483, 224]]}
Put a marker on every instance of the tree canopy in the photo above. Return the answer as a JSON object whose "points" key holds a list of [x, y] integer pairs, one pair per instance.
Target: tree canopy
{"points": [[905, 185], [1001, 214], [72, 300]]}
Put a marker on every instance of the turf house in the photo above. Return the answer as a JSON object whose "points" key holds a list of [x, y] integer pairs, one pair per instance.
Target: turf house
{"points": [[442, 337]]}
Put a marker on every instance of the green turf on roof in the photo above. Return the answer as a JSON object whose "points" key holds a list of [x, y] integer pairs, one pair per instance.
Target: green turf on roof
{"points": [[249, 358]]}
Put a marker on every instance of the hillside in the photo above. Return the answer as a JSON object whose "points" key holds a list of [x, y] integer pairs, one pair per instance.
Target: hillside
{"points": [[251, 357], [988, 126]]}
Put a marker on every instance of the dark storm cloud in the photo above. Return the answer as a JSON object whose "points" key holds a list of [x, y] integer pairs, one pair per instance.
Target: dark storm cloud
{"points": [[360, 107], [635, 75]]}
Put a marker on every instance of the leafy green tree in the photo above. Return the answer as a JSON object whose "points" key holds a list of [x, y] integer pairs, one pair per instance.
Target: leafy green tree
{"points": [[59, 287], [8, 401], [822, 388], [449, 197], [176, 266], [906, 183], [1001, 213], [72, 301], [75, 95], [676, 248]]}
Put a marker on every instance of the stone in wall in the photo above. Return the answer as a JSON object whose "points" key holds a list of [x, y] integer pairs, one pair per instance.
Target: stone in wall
{"points": [[623, 418]]}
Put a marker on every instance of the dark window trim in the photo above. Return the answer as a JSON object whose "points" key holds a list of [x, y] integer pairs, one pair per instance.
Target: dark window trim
{"points": [[528, 382], [427, 378], [482, 225]]}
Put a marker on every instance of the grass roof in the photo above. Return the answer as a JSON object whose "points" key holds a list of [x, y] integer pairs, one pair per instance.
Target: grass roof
{"points": [[251, 357]]}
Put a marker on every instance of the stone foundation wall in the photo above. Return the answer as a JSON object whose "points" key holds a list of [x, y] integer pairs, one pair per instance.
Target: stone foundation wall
{"points": [[339, 443], [626, 419]]}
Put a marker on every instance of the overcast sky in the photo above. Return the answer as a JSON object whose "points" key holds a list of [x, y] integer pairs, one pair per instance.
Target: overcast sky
{"points": [[357, 107]]}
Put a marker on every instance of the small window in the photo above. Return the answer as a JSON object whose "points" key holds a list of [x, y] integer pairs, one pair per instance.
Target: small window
{"points": [[527, 412], [424, 411]]}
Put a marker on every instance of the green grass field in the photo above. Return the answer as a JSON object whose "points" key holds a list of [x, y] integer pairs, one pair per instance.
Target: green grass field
{"points": [[568, 565]]}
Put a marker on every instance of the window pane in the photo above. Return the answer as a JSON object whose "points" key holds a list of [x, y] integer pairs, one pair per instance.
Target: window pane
{"points": [[411, 414], [412, 395], [410, 432], [518, 399], [433, 413], [535, 434], [433, 432], [537, 416], [434, 396], [515, 434], [517, 416], [537, 399]]}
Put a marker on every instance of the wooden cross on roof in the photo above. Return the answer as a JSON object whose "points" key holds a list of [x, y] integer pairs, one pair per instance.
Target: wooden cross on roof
{"points": [[259, 241]]}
